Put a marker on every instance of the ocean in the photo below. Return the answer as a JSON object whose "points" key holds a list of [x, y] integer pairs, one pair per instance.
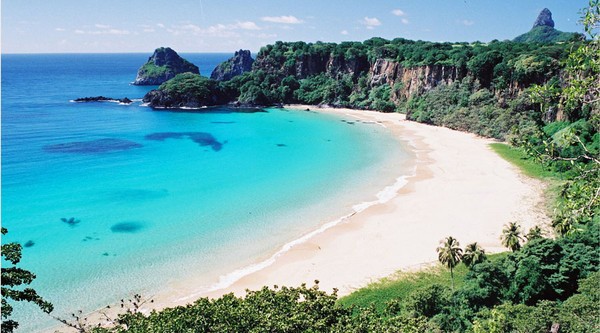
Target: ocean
{"points": [[109, 200]]}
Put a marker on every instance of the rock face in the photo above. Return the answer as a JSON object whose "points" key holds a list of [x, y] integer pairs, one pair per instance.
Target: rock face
{"points": [[544, 19], [412, 81], [240, 63], [163, 65]]}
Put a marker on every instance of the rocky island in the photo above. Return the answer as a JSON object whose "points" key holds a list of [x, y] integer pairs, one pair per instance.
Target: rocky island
{"points": [[240, 63], [162, 66]]}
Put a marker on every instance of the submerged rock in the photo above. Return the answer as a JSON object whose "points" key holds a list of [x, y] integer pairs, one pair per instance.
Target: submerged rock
{"points": [[201, 138], [92, 147], [129, 227], [240, 63], [162, 66]]}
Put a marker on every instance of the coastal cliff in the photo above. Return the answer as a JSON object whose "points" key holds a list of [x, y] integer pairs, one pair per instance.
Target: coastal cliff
{"points": [[477, 87], [162, 66], [412, 81]]}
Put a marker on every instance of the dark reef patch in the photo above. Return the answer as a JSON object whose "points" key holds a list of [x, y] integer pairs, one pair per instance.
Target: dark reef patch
{"points": [[70, 221], [29, 243], [128, 227], [92, 147], [281, 145], [201, 138], [222, 122]]}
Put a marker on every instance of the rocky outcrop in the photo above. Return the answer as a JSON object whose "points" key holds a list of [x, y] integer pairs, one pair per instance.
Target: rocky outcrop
{"points": [[544, 19], [163, 65], [162, 99], [240, 63], [103, 99], [186, 90]]}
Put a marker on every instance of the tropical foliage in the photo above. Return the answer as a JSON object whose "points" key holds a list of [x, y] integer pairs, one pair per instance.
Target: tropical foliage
{"points": [[13, 279], [450, 254]]}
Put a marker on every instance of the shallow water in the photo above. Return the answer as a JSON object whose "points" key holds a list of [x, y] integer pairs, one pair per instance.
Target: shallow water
{"points": [[113, 199]]}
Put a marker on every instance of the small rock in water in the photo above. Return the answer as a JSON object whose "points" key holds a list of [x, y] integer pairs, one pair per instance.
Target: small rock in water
{"points": [[29, 243]]}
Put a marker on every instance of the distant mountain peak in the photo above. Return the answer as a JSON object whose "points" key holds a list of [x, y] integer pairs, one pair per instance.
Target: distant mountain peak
{"points": [[544, 19]]}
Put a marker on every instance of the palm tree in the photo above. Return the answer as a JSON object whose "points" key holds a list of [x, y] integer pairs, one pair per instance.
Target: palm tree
{"points": [[511, 236], [534, 233], [474, 254], [449, 254]]}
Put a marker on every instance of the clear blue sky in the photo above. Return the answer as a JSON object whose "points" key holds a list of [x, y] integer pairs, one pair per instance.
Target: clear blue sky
{"points": [[50, 26]]}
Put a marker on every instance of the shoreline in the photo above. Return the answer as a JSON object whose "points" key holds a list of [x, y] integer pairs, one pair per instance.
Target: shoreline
{"points": [[459, 187], [350, 255]]}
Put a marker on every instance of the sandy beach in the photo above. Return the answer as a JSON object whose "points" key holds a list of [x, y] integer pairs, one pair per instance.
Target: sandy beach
{"points": [[461, 188]]}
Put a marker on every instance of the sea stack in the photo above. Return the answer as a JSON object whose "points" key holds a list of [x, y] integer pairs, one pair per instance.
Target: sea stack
{"points": [[240, 63], [162, 66]]}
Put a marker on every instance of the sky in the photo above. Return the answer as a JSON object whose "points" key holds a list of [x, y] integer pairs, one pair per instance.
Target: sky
{"points": [[117, 26]]}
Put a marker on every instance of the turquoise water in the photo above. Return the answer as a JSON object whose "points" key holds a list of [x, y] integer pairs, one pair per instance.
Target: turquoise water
{"points": [[159, 196]]}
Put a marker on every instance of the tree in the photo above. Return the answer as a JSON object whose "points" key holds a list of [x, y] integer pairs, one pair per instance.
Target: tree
{"points": [[474, 254], [12, 278], [534, 233], [511, 236], [450, 254]]}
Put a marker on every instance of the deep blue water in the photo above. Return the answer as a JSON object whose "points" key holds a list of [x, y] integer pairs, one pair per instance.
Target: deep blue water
{"points": [[112, 199]]}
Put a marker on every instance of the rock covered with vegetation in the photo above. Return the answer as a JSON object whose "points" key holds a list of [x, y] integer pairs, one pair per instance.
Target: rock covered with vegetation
{"points": [[543, 31], [186, 90], [163, 65], [240, 63]]}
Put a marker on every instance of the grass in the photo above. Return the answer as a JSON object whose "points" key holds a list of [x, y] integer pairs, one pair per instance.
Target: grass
{"points": [[402, 284], [518, 157], [531, 168]]}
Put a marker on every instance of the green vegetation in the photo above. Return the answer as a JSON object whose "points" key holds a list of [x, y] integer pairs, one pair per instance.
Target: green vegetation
{"points": [[450, 255], [149, 69], [400, 285], [13, 278], [519, 157]]}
